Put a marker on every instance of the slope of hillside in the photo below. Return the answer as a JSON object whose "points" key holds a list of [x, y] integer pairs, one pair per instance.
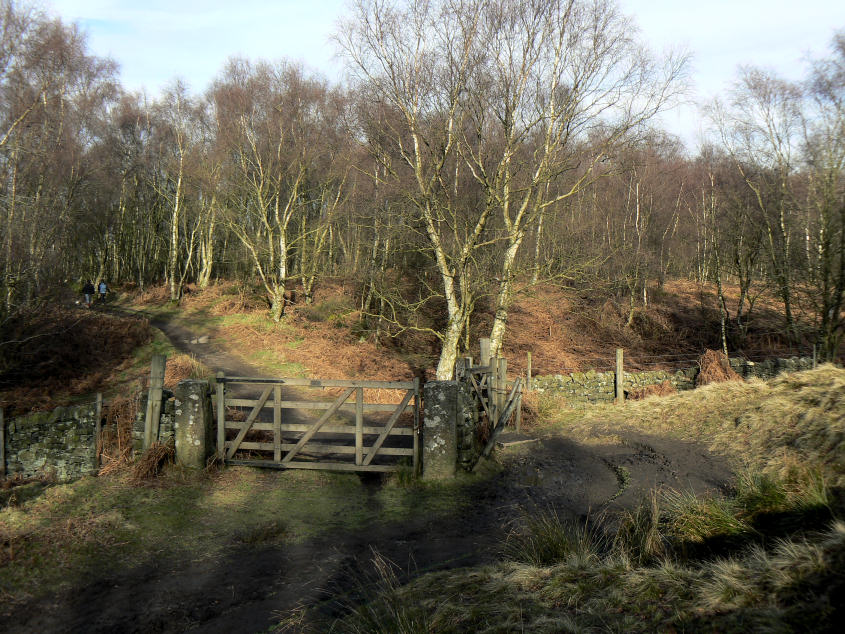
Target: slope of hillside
{"points": [[563, 329]]}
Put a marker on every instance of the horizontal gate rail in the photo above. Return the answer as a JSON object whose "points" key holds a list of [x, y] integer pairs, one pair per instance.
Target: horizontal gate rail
{"points": [[328, 429], [325, 449], [389, 385], [322, 466], [317, 445], [348, 407]]}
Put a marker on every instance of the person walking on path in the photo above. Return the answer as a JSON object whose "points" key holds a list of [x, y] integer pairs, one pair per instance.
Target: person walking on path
{"points": [[102, 289], [88, 291]]}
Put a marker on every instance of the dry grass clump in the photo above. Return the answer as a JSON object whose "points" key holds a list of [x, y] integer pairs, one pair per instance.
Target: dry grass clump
{"points": [[658, 389], [242, 302], [540, 407], [114, 446], [715, 368], [183, 366], [153, 460], [154, 295]]}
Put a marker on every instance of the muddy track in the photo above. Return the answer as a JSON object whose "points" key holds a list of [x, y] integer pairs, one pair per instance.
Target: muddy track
{"points": [[247, 589]]}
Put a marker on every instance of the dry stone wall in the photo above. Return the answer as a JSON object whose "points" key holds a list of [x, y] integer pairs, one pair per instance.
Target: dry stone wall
{"points": [[581, 389], [60, 443]]}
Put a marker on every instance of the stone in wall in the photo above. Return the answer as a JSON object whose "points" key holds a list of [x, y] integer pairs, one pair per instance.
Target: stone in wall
{"points": [[469, 447], [60, 443]]}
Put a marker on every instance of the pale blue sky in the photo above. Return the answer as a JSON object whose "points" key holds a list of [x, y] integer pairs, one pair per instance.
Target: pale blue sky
{"points": [[157, 40]]}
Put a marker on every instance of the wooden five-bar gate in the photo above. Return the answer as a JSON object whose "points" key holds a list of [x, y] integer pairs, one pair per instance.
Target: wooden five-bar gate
{"points": [[350, 435]]}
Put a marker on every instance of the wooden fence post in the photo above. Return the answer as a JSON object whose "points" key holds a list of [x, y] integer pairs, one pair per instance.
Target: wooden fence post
{"points": [[221, 417], [528, 371], [484, 345], [493, 390], [501, 384], [359, 425], [277, 423], [620, 376], [2, 445], [154, 399], [416, 458], [815, 358]]}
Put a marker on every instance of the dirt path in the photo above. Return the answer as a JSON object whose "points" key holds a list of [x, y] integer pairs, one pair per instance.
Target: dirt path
{"points": [[248, 588]]}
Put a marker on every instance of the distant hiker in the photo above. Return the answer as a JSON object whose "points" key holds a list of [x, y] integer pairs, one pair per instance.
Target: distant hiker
{"points": [[102, 289], [88, 291]]}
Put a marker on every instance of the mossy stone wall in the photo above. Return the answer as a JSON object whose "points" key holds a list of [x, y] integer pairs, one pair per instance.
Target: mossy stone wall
{"points": [[581, 389], [60, 443]]}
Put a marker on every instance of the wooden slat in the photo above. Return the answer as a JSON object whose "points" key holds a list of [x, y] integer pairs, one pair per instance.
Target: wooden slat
{"points": [[277, 423], [481, 398], [323, 466], [325, 429], [316, 427], [501, 383], [320, 448], [221, 417], [500, 424], [416, 430], [376, 385], [387, 428], [359, 425], [349, 407], [250, 419]]}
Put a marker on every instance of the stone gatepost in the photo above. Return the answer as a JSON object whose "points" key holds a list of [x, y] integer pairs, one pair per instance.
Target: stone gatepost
{"points": [[439, 433], [193, 423]]}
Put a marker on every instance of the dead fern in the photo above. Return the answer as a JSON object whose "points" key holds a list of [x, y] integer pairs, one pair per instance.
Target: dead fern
{"points": [[153, 460]]}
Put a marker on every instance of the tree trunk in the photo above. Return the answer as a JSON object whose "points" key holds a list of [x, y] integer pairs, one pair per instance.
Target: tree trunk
{"points": [[504, 297], [173, 259]]}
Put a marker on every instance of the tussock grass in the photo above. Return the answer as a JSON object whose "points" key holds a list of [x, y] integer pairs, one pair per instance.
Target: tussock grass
{"points": [[639, 538], [758, 590], [545, 538], [691, 518]]}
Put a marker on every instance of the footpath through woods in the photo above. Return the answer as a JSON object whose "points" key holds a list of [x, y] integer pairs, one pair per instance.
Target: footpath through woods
{"points": [[247, 588]]}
